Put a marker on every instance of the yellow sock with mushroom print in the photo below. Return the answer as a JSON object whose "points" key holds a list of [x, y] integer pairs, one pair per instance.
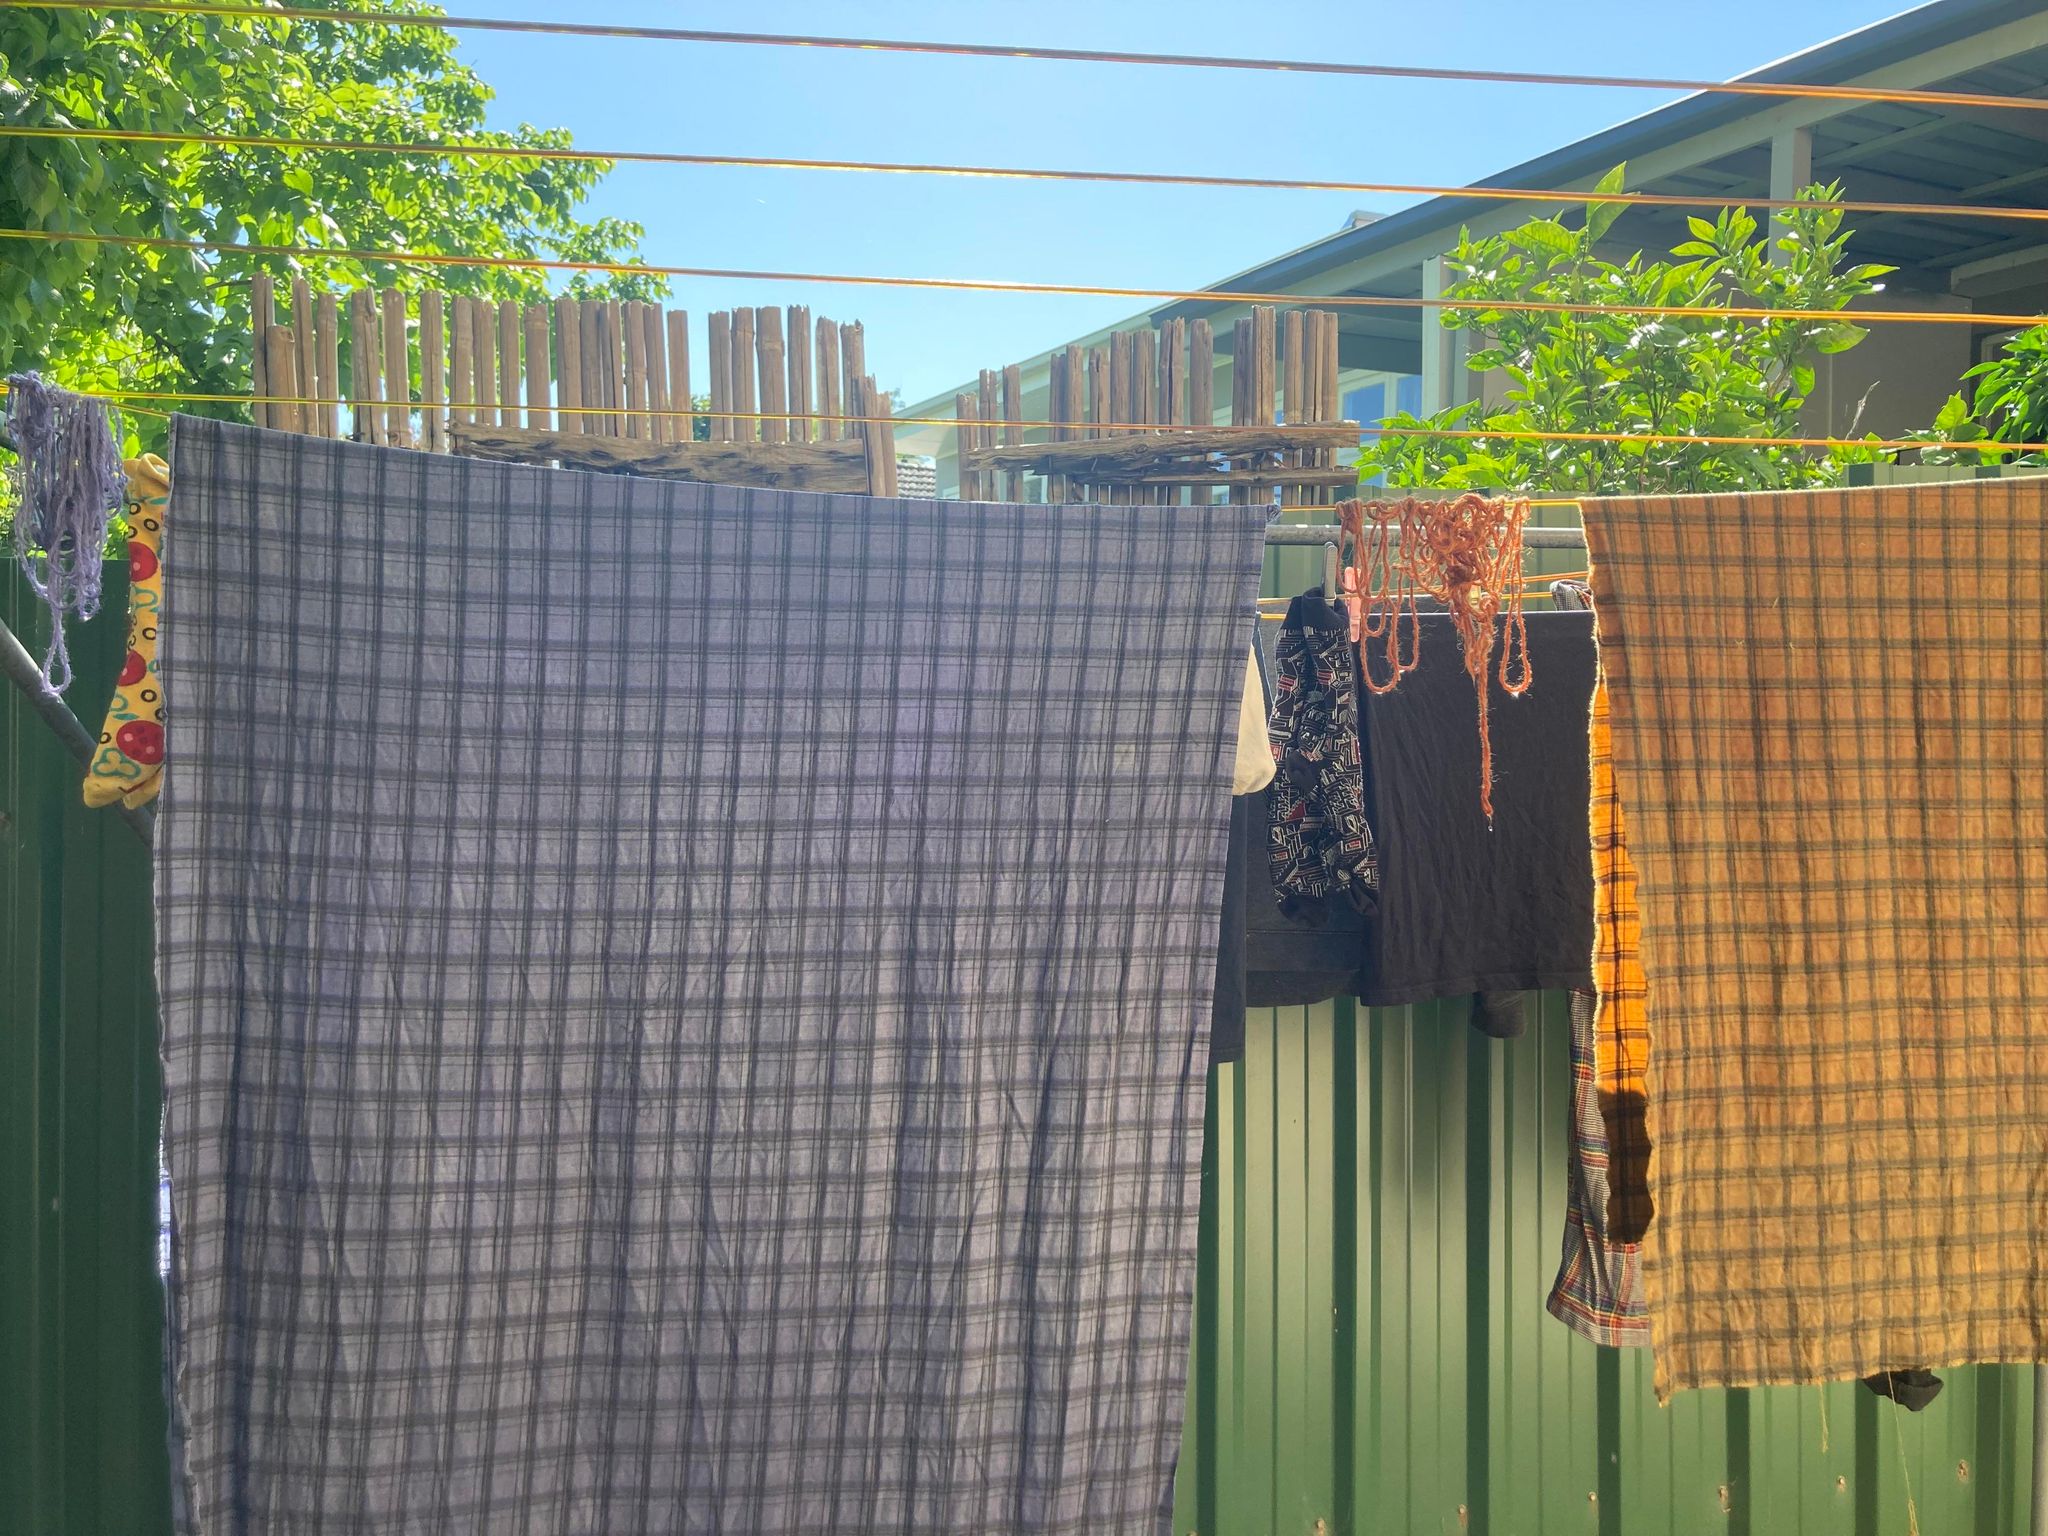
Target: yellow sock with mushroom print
{"points": [[128, 763]]}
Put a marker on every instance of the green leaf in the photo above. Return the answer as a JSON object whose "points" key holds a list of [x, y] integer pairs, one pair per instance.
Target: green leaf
{"points": [[1838, 337], [1600, 216], [168, 319], [1953, 413]]}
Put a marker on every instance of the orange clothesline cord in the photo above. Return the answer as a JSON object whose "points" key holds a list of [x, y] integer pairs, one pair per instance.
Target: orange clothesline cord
{"points": [[546, 152], [1001, 285], [1769, 88]]}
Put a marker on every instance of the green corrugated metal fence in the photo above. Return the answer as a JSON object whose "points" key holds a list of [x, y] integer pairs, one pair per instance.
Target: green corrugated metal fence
{"points": [[81, 1387], [1384, 1206]]}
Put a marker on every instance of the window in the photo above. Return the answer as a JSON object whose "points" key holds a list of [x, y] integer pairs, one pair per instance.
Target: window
{"points": [[1367, 406]]}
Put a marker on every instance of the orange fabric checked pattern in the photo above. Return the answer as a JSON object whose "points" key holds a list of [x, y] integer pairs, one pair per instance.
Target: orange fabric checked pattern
{"points": [[1835, 803], [1621, 1025]]}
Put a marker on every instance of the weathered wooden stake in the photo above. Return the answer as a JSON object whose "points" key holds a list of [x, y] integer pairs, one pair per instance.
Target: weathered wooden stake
{"points": [[262, 316], [721, 377], [538, 416], [327, 362], [397, 373], [683, 425], [828, 380], [281, 368], [365, 387], [508, 363], [774, 378]]}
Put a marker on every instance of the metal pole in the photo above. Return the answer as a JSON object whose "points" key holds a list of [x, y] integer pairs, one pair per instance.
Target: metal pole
{"points": [[1322, 533], [22, 671], [2039, 1526]]}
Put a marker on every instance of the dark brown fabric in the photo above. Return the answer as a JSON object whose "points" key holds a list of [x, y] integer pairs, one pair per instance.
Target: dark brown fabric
{"points": [[1469, 904], [1911, 1390]]}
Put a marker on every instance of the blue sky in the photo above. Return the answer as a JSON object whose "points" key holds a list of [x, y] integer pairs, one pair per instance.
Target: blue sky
{"points": [[779, 101]]}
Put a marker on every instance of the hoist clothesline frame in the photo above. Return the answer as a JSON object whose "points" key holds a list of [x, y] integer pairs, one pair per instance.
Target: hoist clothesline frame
{"points": [[1309, 535], [71, 732]]}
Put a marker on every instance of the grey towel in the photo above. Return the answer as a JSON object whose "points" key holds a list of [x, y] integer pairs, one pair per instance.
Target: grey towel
{"points": [[684, 1008]]}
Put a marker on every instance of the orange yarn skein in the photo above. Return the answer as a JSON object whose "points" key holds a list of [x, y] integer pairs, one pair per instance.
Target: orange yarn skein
{"points": [[1466, 553]]}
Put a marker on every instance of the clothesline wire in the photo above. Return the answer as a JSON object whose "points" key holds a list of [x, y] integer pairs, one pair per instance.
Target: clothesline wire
{"points": [[1003, 285], [1792, 90], [117, 397], [1163, 430], [1527, 579], [113, 397], [547, 152]]}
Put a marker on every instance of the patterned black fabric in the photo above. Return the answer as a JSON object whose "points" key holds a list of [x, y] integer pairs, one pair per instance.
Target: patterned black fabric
{"points": [[1291, 957], [685, 1008], [1321, 843]]}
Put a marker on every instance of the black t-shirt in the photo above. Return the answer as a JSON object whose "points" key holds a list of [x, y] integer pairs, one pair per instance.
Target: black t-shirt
{"points": [[1464, 908], [1269, 958]]}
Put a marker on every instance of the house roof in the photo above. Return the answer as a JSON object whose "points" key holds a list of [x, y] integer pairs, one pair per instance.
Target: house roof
{"points": [[1913, 35], [1718, 145]]}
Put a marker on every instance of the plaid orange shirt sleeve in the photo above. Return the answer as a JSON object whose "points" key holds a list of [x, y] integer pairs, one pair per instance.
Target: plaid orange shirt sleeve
{"points": [[1621, 1020]]}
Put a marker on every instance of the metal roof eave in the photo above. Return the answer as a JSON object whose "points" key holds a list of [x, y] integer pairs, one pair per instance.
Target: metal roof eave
{"points": [[1839, 60], [1854, 55]]}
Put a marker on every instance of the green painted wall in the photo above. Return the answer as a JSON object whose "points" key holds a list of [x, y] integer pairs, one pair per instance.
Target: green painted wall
{"points": [[81, 1388]]}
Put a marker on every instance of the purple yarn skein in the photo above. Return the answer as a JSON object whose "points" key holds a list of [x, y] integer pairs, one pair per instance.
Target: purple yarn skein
{"points": [[67, 482]]}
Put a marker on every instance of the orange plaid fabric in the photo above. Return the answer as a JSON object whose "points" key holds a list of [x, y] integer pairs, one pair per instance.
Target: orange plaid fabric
{"points": [[1599, 1289], [1621, 1030], [1837, 792]]}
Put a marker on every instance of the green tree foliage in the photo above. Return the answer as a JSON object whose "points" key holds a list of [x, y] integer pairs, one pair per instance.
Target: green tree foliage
{"points": [[2009, 405], [1714, 375], [104, 317]]}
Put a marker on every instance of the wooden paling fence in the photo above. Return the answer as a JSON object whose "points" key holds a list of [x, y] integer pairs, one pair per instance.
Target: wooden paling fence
{"points": [[588, 383], [1136, 416]]}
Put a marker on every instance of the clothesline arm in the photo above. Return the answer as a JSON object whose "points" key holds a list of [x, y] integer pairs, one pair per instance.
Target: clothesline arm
{"points": [[1322, 533], [22, 671]]}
